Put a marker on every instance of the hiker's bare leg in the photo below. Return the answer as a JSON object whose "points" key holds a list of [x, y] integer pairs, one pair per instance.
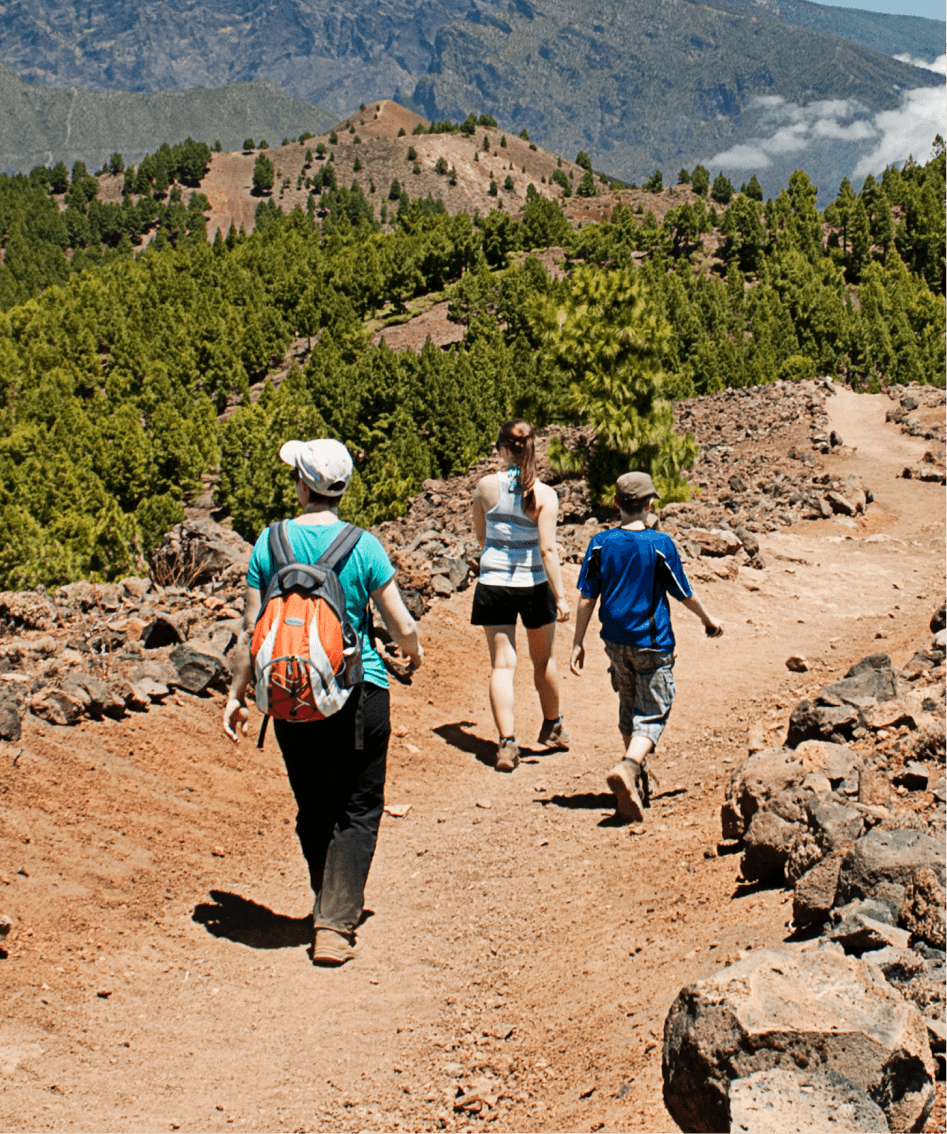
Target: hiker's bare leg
{"points": [[545, 675], [637, 747], [502, 643]]}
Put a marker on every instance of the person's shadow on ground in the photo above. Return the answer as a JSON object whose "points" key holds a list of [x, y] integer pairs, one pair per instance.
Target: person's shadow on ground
{"points": [[248, 923], [456, 736], [484, 750]]}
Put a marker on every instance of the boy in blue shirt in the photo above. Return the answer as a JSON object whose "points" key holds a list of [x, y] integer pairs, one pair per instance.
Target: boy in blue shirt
{"points": [[632, 568]]}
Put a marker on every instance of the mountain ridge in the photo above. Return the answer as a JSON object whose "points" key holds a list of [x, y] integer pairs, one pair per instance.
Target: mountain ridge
{"points": [[657, 83], [39, 125]]}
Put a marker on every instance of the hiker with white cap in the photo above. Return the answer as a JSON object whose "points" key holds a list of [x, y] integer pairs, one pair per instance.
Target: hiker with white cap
{"points": [[632, 569], [307, 625]]}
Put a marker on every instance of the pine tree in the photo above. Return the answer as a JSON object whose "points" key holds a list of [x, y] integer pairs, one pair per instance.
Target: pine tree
{"points": [[608, 342], [700, 180], [263, 174], [587, 185]]}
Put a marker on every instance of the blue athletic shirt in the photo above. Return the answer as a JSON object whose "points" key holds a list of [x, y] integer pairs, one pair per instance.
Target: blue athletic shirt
{"points": [[632, 573], [366, 569]]}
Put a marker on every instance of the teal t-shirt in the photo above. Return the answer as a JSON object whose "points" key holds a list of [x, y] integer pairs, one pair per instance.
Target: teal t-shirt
{"points": [[366, 569]]}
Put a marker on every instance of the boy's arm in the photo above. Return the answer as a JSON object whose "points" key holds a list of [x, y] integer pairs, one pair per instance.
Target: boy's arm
{"points": [[583, 617], [713, 628]]}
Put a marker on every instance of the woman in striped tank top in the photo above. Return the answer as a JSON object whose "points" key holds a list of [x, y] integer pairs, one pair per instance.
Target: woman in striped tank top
{"points": [[515, 521]]}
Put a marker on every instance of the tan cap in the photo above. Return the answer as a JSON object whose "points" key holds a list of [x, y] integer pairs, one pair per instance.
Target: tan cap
{"points": [[636, 486]]}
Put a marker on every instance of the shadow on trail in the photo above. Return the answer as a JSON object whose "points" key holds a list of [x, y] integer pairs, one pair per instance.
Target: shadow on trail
{"points": [[589, 801], [248, 923], [586, 801], [456, 736], [775, 880]]}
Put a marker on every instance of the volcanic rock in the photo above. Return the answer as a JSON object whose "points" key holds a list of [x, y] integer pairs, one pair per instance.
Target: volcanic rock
{"points": [[805, 1102], [817, 1010]]}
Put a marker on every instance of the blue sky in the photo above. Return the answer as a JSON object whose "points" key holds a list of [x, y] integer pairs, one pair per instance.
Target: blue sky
{"points": [[933, 9]]}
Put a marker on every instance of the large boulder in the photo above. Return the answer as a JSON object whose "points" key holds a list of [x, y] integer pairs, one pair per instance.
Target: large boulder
{"points": [[815, 720], [99, 697], [11, 714], [835, 825], [882, 864], [870, 683], [814, 893], [865, 925], [199, 551], [814, 1011], [773, 1102], [760, 778], [815, 857], [766, 845], [922, 911], [197, 667], [845, 705], [164, 630], [27, 610], [57, 706], [837, 762], [716, 543]]}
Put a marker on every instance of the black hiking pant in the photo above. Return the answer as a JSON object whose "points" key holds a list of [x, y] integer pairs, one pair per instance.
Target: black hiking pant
{"points": [[340, 794]]}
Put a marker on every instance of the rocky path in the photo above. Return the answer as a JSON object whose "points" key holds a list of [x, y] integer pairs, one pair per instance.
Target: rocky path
{"points": [[523, 948]]}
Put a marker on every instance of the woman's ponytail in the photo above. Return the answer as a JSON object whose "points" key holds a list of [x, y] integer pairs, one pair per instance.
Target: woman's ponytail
{"points": [[520, 438]]}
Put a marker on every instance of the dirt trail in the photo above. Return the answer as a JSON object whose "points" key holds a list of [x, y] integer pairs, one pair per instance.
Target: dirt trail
{"points": [[158, 978]]}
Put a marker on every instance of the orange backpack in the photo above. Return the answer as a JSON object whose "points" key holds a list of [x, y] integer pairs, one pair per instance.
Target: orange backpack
{"points": [[306, 655]]}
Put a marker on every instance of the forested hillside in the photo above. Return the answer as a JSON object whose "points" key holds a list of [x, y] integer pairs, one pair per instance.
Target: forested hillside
{"points": [[124, 334]]}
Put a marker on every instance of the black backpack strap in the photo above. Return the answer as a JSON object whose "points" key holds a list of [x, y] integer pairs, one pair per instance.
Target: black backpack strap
{"points": [[281, 550], [341, 548]]}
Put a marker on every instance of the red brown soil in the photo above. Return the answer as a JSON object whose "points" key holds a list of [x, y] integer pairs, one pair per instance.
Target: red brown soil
{"points": [[383, 157], [157, 975], [228, 184]]}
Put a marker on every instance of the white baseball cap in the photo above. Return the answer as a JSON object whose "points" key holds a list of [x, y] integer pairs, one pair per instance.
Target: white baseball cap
{"points": [[324, 464]]}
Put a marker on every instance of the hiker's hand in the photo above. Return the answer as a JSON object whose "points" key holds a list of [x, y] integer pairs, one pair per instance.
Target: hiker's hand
{"points": [[578, 660], [415, 659], [236, 717], [562, 610], [714, 629]]}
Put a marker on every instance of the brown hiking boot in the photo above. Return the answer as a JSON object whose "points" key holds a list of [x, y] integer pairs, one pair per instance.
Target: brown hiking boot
{"points": [[623, 782], [508, 754], [554, 734], [331, 948]]}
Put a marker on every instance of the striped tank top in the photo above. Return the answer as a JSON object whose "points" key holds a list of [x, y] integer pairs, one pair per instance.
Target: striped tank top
{"points": [[510, 556]]}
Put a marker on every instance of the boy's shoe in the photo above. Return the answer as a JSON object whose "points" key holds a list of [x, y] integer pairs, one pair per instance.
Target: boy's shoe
{"points": [[647, 781], [331, 948], [623, 782], [508, 754], [554, 734]]}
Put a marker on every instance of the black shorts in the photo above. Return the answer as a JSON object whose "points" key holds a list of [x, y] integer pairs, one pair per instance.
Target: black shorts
{"points": [[499, 606]]}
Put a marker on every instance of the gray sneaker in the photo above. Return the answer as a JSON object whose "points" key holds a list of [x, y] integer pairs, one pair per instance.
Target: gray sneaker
{"points": [[554, 734], [508, 754], [623, 782]]}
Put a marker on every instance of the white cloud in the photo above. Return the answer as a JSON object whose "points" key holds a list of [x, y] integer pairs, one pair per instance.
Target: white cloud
{"points": [[907, 131], [890, 136], [744, 157], [856, 131], [939, 64]]}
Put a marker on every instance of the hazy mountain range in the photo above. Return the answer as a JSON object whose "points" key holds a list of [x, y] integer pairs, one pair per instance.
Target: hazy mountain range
{"points": [[40, 125], [750, 87]]}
